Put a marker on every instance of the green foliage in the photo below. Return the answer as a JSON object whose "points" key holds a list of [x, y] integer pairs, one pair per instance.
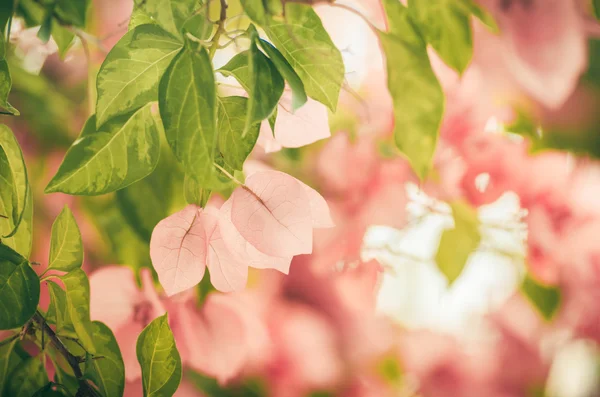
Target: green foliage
{"points": [[108, 372], [129, 76], [596, 8], [9, 360], [19, 289], [58, 311], [77, 289], [5, 79], [159, 359], [546, 299], [235, 147], [457, 244], [187, 102], [169, 14], [27, 378], [123, 151], [66, 248], [417, 95], [13, 164]]}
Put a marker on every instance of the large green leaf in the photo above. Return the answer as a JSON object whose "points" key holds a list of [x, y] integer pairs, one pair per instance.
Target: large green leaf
{"points": [[129, 76], [289, 74], [305, 44], [19, 290], [417, 95], [260, 78], [58, 311], [187, 101], [545, 298], [458, 243], [15, 163], [27, 378], [170, 14], [77, 289], [159, 359], [445, 25], [234, 147], [123, 151], [108, 372], [9, 360], [66, 249], [21, 241]]}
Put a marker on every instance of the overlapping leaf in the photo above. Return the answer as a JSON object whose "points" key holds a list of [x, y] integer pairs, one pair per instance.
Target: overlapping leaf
{"points": [[19, 289], [77, 288], [108, 373], [14, 173]]}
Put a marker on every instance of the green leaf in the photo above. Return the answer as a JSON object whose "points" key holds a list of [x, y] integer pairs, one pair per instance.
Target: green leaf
{"points": [[18, 175], [305, 44], [77, 289], [457, 244], [445, 25], [194, 193], [50, 390], [63, 38], [66, 249], [417, 95], [260, 78], [21, 241], [9, 360], [233, 146], [46, 28], [139, 17], [19, 293], [123, 151], [108, 372], [5, 86], [58, 311], [288, 73], [546, 299], [159, 359], [27, 378], [596, 8], [187, 102], [129, 76], [483, 15], [72, 12], [169, 14], [198, 26]]}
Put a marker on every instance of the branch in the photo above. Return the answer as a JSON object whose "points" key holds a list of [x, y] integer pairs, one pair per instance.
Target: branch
{"points": [[220, 29], [85, 389]]}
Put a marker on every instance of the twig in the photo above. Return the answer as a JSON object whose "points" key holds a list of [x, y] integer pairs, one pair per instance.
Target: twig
{"points": [[85, 389], [220, 29], [3, 216]]}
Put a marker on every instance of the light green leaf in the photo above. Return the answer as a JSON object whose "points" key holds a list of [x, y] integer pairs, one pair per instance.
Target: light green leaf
{"points": [[129, 76], [457, 244], [27, 378], [194, 193], [58, 311], [187, 102], [198, 26], [288, 73], [159, 359], [305, 44], [66, 249], [21, 241], [9, 360], [260, 78], [77, 289], [123, 151], [18, 175], [545, 298], [72, 12], [231, 119], [63, 38], [139, 17], [417, 95], [482, 14], [445, 25], [108, 373], [170, 14], [19, 292]]}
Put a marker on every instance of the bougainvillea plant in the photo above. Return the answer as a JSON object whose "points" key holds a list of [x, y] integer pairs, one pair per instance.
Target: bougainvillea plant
{"points": [[231, 157]]}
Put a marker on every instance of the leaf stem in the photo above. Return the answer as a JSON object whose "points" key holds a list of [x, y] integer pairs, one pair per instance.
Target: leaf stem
{"points": [[85, 389], [220, 29], [227, 174]]}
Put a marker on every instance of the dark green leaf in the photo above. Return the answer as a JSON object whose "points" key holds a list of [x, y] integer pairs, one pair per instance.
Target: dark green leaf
{"points": [[123, 151], [77, 289], [546, 299], [5, 86], [416, 93], [46, 27], [72, 12], [9, 360], [50, 390], [288, 73], [19, 293], [18, 176], [129, 76], [27, 378], [159, 359], [170, 14], [66, 249], [235, 147], [596, 7], [457, 244], [187, 102], [108, 372]]}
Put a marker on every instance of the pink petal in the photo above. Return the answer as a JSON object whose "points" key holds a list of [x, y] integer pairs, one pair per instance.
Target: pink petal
{"points": [[113, 296], [178, 250], [253, 257], [272, 212], [214, 337], [319, 210]]}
